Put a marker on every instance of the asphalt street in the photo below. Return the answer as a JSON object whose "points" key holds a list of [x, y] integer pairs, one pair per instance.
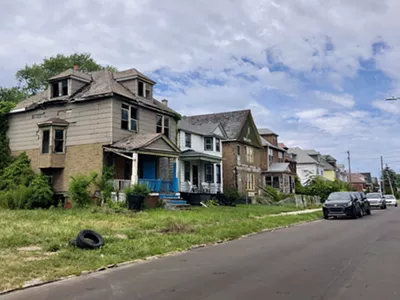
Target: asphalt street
{"points": [[327, 259]]}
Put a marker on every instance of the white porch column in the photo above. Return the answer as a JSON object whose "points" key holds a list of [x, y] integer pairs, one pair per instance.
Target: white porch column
{"points": [[178, 169], [134, 177]]}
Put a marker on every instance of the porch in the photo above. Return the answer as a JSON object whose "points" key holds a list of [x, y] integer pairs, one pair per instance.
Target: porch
{"points": [[200, 173], [149, 159], [280, 177]]}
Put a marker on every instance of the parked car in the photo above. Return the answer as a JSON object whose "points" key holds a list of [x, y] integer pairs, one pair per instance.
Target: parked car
{"points": [[345, 204], [376, 200], [391, 200], [364, 202]]}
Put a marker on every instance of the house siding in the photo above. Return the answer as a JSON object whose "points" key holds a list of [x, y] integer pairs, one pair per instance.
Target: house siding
{"points": [[89, 124], [330, 175], [76, 85], [146, 121]]}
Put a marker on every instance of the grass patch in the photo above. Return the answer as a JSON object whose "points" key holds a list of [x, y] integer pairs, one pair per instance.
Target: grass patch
{"points": [[42, 236]]}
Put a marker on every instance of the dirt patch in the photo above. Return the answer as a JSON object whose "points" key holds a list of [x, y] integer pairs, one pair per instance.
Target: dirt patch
{"points": [[177, 227], [29, 248], [121, 236]]}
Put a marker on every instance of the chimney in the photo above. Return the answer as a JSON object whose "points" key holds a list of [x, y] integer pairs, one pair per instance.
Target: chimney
{"points": [[165, 102], [76, 67]]}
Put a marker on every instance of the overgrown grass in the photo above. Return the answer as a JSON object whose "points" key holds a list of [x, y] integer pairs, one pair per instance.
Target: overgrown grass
{"points": [[128, 236]]}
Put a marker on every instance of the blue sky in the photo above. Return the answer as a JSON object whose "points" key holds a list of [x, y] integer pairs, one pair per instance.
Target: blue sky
{"points": [[314, 71]]}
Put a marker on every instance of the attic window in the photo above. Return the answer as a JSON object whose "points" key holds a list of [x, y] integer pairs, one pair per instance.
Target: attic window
{"points": [[64, 87], [141, 88], [59, 88], [55, 90]]}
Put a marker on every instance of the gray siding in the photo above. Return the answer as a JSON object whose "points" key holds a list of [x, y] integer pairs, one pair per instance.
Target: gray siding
{"points": [[130, 85], [76, 85], [90, 123], [146, 122]]}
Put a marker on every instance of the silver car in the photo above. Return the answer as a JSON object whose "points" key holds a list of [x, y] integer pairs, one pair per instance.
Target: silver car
{"points": [[376, 200], [391, 200]]}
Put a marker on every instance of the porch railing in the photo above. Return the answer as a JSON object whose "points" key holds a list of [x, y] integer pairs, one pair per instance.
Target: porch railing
{"points": [[204, 187], [153, 184], [121, 184]]}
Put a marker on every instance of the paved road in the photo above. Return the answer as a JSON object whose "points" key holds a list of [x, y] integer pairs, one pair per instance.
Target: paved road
{"points": [[335, 259]]}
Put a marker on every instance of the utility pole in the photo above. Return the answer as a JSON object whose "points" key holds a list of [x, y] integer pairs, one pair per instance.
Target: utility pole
{"points": [[348, 159], [382, 181], [390, 181]]}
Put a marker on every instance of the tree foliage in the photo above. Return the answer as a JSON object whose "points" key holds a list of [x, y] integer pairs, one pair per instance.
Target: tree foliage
{"points": [[79, 189], [18, 173], [318, 186], [391, 175], [12, 95], [5, 156], [33, 78]]}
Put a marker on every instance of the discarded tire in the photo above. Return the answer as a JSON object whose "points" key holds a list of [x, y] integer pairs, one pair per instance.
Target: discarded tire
{"points": [[89, 239]]}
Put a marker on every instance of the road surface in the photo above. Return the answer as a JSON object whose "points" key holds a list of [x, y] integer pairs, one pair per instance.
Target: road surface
{"points": [[334, 259]]}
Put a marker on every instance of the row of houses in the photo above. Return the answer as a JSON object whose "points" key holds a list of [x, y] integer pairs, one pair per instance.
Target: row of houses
{"points": [[84, 121]]}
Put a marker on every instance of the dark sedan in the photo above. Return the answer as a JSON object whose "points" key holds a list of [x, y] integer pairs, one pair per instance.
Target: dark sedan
{"points": [[342, 204]]}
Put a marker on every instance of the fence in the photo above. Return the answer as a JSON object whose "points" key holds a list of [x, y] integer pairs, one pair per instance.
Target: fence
{"points": [[302, 200]]}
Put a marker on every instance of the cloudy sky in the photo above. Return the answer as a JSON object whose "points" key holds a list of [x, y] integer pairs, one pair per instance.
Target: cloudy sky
{"points": [[314, 71]]}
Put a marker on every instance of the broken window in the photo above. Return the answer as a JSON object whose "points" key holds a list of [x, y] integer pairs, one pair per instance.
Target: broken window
{"points": [[64, 87], [59, 141], [129, 117], [208, 143], [141, 88], [125, 117], [133, 122], [55, 91], [45, 141], [166, 127], [162, 125]]}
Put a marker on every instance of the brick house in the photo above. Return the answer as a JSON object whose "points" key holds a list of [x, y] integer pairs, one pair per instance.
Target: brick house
{"points": [[241, 150], [278, 168], [86, 120]]}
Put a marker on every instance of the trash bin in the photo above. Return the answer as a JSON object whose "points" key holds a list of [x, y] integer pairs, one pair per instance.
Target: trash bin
{"points": [[135, 202]]}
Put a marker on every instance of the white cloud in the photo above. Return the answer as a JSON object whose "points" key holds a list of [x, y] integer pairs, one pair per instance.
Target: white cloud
{"points": [[345, 100], [312, 113]]}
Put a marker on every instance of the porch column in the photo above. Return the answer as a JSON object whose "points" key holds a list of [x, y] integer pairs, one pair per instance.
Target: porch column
{"points": [[175, 183], [134, 177]]}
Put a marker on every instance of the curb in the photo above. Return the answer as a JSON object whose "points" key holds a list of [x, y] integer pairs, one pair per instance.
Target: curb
{"points": [[38, 283]]}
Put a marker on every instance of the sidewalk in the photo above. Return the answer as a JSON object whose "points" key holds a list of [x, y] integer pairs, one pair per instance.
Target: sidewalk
{"points": [[297, 212]]}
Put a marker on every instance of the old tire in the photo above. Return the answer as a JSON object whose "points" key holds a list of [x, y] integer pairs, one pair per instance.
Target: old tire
{"points": [[89, 239]]}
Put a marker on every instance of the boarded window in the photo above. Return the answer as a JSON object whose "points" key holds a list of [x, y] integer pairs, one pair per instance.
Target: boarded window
{"points": [[59, 141], [208, 143], [46, 141], [188, 140]]}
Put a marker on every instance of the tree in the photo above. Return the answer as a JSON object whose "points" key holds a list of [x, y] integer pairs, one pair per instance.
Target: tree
{"points": [[34, 78], [13, 94], [388, 173], [5, 155]]}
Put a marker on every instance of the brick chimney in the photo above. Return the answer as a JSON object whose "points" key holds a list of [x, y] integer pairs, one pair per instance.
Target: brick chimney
{"points": [[165, 102], [76, 67]]}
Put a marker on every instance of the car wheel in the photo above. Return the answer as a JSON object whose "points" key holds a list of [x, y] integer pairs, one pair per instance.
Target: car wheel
{"points": [[354, 213], [326, 217], [395, 205], [368, 212], [360, 213], [382, 207]]}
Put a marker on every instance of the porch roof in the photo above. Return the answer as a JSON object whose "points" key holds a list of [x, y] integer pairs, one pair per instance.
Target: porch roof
{"points": [[279, 168], [194, 155], [151, 142]]}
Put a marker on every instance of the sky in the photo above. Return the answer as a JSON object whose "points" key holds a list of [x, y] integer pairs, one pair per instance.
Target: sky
{"points": [[316, 72]]}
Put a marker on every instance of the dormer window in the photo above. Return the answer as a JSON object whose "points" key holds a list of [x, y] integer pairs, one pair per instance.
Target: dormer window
{"points": [[141, 88], [59, 88]]}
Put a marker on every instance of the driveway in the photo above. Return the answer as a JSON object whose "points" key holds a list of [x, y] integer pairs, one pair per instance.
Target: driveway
{"points": [[334, 259]]}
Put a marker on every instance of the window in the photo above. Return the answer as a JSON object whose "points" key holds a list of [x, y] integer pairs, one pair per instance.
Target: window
{"points": [[209, 174], [162, 125], [148, 91], [250, 181], [64, 87], [208, 143], [128, 117], [141, 88], [59, 141], [238, 155], [268, 180], [238, 150], [45, 141], [217, 145], [270, 156], [187, 171], [249, 154], [280, 157], [188, 140], [218, 174], [272, 181], [55, 90]]}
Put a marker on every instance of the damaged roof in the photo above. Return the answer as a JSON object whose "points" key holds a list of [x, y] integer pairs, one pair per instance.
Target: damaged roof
{"points": [[100, 84], [232, 121], [138, 141]]}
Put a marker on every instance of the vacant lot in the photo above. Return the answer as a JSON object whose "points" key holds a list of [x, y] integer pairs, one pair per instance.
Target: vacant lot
{"points": [[34, 244]]}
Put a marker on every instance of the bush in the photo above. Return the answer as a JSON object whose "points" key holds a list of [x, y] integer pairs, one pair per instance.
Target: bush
{"points": [[17, 198], [138, 189], [18, 173], [79, 189], [42, 193], [272, 193], [232, 196], [105, 184]]}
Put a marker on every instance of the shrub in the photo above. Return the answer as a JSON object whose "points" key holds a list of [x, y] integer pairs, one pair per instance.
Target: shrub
{"points": [[17, 173], [138, 189], [233, 196], [42, 193], [79, 189], [272, 193], [17, 198], [105, 183]]}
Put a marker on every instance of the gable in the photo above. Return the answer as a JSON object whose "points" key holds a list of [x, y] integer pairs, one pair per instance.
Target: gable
{"points": [[218, 131], [159, 145], [249, 133]]}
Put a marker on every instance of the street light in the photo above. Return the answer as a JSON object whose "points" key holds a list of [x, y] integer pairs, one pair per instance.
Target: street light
{"points": [[392, 98]]}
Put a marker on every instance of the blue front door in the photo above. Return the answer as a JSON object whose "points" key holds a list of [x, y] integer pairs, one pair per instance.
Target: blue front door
{"points": [[149, 168]]}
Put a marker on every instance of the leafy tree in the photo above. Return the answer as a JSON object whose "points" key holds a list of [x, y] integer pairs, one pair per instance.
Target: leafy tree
{"points": [[13, 95], [317, 186], [34, 78], [42, 193], [5, 156], [16, 174]]}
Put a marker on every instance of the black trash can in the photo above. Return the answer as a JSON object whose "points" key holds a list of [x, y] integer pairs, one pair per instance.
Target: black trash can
{"points": [[135, 202]]}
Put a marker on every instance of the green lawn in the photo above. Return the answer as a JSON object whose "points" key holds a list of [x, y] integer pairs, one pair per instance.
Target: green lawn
{"points": [[128, 236]]}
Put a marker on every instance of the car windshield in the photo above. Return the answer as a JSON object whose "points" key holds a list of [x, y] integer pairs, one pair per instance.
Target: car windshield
{"points": [[389, 197], [339, 197], [374, 195]]}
